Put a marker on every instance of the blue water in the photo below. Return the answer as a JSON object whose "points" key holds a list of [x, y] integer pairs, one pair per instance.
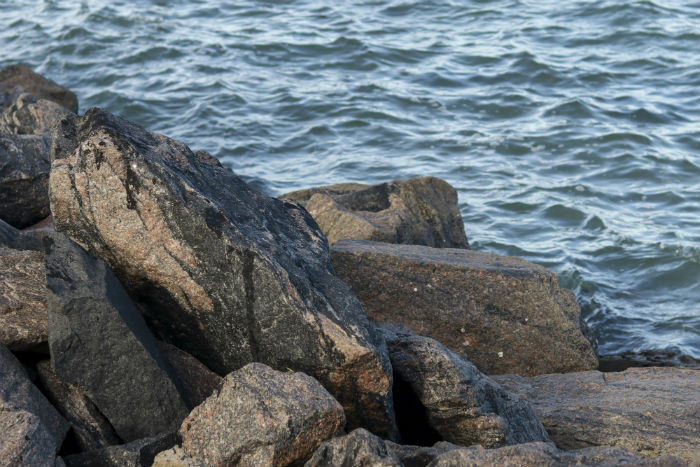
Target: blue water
{"points": [[570, 129]]}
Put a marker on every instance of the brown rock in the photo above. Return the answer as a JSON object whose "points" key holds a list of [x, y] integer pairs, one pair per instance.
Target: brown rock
{"points": [[18, 76], [25, 440], [23, 315], [29, 116], [421, 211], [261, 417], [360, 448], [504, 314], [198, 381], [654, 411]]}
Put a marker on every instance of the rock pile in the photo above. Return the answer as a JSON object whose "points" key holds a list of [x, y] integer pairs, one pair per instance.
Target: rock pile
{"points": [[178, 317]]}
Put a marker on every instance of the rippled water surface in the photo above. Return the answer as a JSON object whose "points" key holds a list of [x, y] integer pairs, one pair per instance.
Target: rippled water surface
{"points": [[571, 129]]}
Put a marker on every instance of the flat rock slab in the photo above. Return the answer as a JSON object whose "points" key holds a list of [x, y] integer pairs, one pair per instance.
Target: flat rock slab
{"points": [[220, 270], [25, 440], [26, 115], [100, 343], [502, 313], [261, 417], [17, 76], [23, 315], [463, 405], [421, 211], [654, 411], [359, 448], [24, 179]]}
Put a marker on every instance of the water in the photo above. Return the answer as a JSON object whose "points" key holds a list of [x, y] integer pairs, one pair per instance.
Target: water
{"points": [[571, 129]]}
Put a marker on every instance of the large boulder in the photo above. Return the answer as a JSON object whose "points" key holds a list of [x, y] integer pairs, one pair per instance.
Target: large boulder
{"points": [[654, 411], [25, 440], [24, 178], [100, 343], [462, 405], [23, 315], [421, 211], [220, 270], [360, 448], [26, 115], [504, 314], [19, 77], [261, 417]]}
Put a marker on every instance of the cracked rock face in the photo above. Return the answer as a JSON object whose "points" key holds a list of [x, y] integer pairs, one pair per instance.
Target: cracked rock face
{"points": [[220, 270]]}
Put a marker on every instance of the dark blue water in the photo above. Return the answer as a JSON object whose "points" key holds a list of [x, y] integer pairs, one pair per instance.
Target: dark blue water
{"points": [[571, 129]]}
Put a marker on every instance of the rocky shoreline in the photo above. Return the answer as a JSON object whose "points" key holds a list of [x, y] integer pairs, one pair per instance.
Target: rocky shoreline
{"points": [[155, 310]]}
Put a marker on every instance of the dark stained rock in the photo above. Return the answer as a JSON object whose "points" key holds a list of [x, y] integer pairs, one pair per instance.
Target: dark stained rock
{"points": [[28, 116], [24, 178], [421, 211], [207, 158], [654, 411], [646, 358], [547, 455], [91, 430], [198, 381], [220, 270], [360, 448], [25, 440], [15, 239], [23, 315], [16, 77], [420, 456], [139, 453], [18, 393], [504, 314], [38, 229], [100, 344], [463, 406], [261, 417]]}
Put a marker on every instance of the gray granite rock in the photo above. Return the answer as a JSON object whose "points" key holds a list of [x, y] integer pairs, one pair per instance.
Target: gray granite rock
{"points": [[198, 381], [25, 440], [220, 270], [504, 314], [100, 344], [26, 115], [139, 453], [420, 456], [360, 448], [19, 77]]}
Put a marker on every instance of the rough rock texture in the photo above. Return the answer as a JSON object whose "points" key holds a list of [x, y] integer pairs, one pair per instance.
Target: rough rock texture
{"points": [[24, 178], [222, 271], [16, 77], [17, 392], [463, 406], [198, 381], [23, 316], [547, 455], [504, 314], [100, 344], [15, 239], [421, 211], [360, 448], [26, 115], [420, 456], [174, 457], [655, 411], [139, 453], [261, 417], [25, 440], [91, 430]]}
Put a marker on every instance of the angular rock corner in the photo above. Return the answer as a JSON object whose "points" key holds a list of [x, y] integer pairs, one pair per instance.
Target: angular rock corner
{"points": [[502, 313], [421, 211], [218, 269]]}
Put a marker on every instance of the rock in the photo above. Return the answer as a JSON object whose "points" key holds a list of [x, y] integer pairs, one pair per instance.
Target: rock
{"points": [[38, 229], [18, 76], [28, 116], [261, 417], [174, 457], [198, 381], [646, 358], [421, 211], [91, 430], [100, 344], [24, 178], [17, 393], [140, 453], [207, 158], [25, 440], [654, 411], [504, 314], [420, 456], [544, 455], [15, 239], [23, 315], [220, 270], [462, 405], [360, 448]]}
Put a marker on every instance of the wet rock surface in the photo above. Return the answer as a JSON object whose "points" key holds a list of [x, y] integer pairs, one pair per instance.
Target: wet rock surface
{"points": [[100, 344], [502, 313], [19, 77], [421, 211], [220, 270], [359, 448], [462, 405], [654, 411], [261, 417]]}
